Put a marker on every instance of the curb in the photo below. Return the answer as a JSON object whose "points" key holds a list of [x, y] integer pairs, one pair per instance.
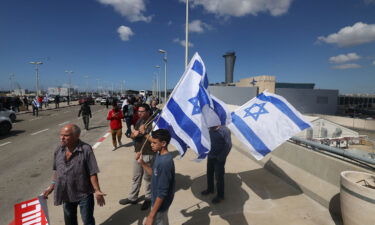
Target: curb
{"points": [[96, 145], [25, 112]]}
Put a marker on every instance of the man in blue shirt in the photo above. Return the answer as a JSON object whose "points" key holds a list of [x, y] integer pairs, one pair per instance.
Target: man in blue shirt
{"points": [[163, 178], [221, 144]]}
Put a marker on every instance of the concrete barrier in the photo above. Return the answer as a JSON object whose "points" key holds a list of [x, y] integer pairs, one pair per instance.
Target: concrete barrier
{"points": [[315, 173], [350, 122]]}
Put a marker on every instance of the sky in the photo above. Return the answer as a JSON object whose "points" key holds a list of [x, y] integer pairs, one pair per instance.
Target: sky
{"points": [[108, 42]]}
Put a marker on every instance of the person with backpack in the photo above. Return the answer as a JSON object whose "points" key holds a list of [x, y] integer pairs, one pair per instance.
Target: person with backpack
{"points": [[86, 114], [128, 111]]}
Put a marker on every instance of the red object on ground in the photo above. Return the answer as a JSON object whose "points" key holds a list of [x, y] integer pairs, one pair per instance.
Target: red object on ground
{"points": [[29, 213]]}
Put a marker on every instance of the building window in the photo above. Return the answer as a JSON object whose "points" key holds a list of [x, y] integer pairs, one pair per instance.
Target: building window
{"points": [[322, 100]]}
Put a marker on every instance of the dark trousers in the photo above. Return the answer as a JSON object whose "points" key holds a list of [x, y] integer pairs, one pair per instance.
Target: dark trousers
{"points": [[128, 121], [35, 111], [86, 120], [86, 207], [215, 168]]}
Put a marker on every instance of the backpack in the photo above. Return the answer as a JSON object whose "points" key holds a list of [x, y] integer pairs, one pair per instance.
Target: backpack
{"points": [[128, 110]]}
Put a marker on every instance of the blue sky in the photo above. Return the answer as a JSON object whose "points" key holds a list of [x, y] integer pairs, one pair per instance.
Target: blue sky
{"points": [[327, 42]]}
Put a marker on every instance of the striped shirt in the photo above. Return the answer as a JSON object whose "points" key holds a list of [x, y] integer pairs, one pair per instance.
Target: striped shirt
{"points": [[73, 175]]}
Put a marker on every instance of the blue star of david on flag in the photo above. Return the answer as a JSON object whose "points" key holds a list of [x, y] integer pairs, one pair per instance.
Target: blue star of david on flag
{"points": [[195, 102], [255, 115]]}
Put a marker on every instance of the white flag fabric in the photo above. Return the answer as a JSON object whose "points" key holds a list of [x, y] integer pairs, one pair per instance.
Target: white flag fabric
{"points": [[265, 122], [191, 110]]}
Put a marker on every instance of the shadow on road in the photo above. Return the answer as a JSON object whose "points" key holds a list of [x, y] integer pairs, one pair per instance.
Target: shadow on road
{"points": [[11, 134]]}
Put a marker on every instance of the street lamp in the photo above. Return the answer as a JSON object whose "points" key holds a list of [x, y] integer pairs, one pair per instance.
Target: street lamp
{"points": [[37, 75], [87, 85], [165, 73], [11, 77], [187, 34], [69, 72], [158, 82]]}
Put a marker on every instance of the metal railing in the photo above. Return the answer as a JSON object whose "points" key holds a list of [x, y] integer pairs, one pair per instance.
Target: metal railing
{"points": [[334, 150]]}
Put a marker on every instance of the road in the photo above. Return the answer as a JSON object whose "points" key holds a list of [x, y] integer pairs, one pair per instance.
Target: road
{"points": [[26, 153]]}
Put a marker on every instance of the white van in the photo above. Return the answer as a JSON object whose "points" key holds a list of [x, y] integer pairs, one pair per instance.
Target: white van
{"points": [[143, 92]]}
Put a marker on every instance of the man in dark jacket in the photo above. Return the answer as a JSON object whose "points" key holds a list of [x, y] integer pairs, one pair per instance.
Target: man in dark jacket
{"points": [[221, 144], [86, 114]]}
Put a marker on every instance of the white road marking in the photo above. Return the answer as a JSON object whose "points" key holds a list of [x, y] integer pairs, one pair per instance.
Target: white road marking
{"points": [[64, 123], [67, 111], [39, 131], [5, 143], [96, 145], [106, 135]]}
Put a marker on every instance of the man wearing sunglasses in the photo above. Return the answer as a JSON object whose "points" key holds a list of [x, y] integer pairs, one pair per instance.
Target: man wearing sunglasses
{"points": [[140, 136]]}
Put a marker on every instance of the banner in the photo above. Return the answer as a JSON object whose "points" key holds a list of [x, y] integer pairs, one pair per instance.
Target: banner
{"points": [[31, 212]]}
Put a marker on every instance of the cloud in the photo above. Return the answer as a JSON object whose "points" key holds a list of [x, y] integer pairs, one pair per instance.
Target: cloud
{"points": [[169, 22], [373, 63], [359, 33], [183, 42], [125, 33], [344, 58], [199, 26], [240, 8], [347, 66], [131, 9]]}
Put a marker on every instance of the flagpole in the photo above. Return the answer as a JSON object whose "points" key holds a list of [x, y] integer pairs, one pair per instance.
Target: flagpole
{"points": [[187, 34]]}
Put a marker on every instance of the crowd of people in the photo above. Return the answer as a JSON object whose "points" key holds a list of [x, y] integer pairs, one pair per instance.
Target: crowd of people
{"points": [[153, 164], [36, 103]]}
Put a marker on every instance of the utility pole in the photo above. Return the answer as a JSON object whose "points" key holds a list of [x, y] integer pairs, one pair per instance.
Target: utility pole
{"points": [[69, 72], [11, 77], [37, 75]]}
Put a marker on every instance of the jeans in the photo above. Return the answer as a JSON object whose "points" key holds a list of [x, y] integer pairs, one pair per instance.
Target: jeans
{"points": [[215, 168], [35, 111], [86, 119], [86, 207], [128, 121]]}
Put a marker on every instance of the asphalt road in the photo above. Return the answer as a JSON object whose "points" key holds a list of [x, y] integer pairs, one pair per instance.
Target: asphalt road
{"points": [[26, 153]]}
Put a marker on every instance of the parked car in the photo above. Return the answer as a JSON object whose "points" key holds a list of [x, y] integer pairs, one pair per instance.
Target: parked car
{"points": [[8, 113], [5, 125], [90, 100], [98, 99]]}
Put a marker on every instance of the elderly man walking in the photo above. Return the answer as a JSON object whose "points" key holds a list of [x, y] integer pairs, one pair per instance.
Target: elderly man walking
{"points": [[75, 179]]}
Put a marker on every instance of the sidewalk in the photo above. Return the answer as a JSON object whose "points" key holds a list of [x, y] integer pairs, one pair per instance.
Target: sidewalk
{"points": [[49, 107], [253, 195]]}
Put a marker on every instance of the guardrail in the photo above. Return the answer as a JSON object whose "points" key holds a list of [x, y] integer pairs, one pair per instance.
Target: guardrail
{"points": [[337, 151]]}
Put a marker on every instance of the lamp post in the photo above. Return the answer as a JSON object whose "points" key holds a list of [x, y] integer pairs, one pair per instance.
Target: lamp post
{"points": [[187, 34], [165, 73], [11, 77], [69, 72], [87, 85], [158, 82], [37, 75]]}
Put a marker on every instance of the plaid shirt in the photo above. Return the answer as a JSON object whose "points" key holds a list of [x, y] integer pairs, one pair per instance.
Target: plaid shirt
{"points": [[73, 175]]}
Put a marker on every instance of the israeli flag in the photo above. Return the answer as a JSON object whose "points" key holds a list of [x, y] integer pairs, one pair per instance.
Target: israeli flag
{"points": [[265, 122], [191, 110]]}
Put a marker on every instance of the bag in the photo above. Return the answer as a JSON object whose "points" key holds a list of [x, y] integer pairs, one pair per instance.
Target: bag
{"points": [[128, 110]]}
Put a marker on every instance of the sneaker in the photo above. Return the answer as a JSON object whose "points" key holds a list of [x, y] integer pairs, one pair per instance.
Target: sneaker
{"points": [[114, 148], [206, 192], [146, 204], [119, 143], [127, 201], [217, 200]]}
